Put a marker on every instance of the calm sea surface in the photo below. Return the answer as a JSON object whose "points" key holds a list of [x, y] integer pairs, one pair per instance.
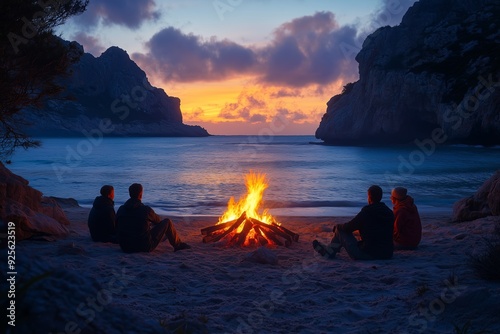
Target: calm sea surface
{"points": [[197, 176]]}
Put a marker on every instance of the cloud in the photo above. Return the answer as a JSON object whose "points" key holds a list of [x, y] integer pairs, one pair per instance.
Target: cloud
{"points": [[304, 51], [390, 13], [90, 43], [310, 50], [247, 108], [185, 58], [294, 116], [258, 118], [286, 92], [129, 13]]}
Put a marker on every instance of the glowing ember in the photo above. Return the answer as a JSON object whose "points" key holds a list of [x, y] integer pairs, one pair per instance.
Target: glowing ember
{"points": [[242, 224]]}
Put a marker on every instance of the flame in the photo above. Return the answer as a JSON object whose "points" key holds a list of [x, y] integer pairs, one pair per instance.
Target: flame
{"points": [[256, 183]]}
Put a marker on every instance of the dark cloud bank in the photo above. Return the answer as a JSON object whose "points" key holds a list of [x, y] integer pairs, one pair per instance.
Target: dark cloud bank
{"points": [[302, 52], [129, 13], [310, 50]]}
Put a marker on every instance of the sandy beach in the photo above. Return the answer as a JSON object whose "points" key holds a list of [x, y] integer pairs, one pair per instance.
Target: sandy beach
{"points": [[86, 287]]}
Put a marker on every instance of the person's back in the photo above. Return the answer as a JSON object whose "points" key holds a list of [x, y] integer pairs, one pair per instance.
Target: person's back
{"points": [[407, 232], [101, 220], [134, 226], [376, 230], [140, 229], [375, 223]]}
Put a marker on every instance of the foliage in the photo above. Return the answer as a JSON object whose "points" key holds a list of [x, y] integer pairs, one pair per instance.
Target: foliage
{"points": [[31, 61]]}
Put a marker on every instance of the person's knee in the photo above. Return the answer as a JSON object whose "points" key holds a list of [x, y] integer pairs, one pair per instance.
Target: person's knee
{"points": [[166, 222]]}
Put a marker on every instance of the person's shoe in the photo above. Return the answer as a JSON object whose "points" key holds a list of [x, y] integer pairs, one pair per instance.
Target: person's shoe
{"points": [[181, 246], [323, 250]]}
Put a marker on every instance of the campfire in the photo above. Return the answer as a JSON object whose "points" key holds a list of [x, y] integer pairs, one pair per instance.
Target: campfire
{"points": [[242, 225]]}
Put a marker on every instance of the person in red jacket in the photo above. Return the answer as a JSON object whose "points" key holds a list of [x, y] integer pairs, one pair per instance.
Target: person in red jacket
{"points": [[407, 231]]}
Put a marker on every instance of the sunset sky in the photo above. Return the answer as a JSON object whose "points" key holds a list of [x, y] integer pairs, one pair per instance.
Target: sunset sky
{"points": [[240, 66]]}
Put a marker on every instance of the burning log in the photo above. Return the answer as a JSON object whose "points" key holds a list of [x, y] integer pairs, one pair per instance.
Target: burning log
{"points": [[214, 228], [218, 236], [295, 236], [268, 234], [252, 231], [274, 229], [259, 236]]}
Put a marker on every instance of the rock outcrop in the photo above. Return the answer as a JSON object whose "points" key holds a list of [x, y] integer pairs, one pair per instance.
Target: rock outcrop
{"points": [[112, 95], [33, 214], [435, 76], [485, 202]]}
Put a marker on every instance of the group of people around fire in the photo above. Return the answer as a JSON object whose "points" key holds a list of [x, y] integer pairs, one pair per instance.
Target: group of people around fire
{"points": [[135, 226], [380, 230]]}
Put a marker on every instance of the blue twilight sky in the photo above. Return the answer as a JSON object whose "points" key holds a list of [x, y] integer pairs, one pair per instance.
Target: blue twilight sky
{"points": [[239, 64]]}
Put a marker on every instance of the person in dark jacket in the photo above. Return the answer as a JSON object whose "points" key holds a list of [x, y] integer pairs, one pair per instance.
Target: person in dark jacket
{"points": [[407, 225], [101, 219], [374, 223], [140, 229]]}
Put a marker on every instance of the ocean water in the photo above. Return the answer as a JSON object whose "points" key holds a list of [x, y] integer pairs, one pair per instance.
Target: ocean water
{"points": [[197, 176]]}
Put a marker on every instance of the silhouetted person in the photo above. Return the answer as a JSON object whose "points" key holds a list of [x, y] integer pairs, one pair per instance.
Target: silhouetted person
{"points": [[407, 225], [374, 223], [101, 221], [140, 229]]}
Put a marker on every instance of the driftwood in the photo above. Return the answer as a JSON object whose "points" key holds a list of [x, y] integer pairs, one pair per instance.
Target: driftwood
{"points": [[263, 234]]}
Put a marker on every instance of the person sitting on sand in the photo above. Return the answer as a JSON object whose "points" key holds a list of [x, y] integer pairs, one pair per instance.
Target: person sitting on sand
{"points": [[140, 229], [374, 223], [101, 221], [407, 225]]}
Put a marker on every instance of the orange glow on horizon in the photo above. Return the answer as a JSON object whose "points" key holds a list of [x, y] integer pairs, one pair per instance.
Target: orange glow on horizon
{"points": [[237, 106]]}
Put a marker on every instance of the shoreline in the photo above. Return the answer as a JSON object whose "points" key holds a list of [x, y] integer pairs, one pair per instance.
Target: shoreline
{"points": [[213, 289], [338, 212]]}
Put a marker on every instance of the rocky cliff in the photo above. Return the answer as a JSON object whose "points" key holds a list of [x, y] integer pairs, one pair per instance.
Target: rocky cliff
{"points": [[435, 76], [110, 94]]}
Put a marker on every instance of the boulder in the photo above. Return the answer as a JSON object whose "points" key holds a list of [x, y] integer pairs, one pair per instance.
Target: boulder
{"points": [[34, 215], [494, 196], [485, 202]]}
